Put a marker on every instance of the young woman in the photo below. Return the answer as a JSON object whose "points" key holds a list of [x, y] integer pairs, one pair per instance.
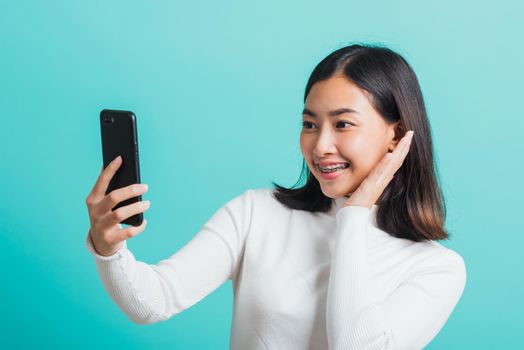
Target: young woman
{"points": [[347, 261]]}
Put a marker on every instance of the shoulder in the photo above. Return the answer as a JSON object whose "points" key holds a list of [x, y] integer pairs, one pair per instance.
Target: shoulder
{"points": [[253, 198], [455, 262], [444, 256], [446, 262], [258, 196], [261, 192], [260, 202]]}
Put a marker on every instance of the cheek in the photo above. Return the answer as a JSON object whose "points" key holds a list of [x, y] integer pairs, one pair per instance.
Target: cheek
{"points": [[305, 147], [361, 153]]}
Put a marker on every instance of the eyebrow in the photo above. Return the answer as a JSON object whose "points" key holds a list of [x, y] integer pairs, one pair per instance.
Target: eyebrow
{"points": [[334, 113]]}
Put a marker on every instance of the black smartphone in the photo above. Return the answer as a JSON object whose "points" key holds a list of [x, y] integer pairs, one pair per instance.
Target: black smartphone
{"points": [[120, 138]]}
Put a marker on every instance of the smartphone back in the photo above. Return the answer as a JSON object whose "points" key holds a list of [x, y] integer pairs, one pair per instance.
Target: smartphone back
{"points": [[120, 138]]}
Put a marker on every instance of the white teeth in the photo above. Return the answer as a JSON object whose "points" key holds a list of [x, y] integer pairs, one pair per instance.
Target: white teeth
{"points": [[336, 166]]}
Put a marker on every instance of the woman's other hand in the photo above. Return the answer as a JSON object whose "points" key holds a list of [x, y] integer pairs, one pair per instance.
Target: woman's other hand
{"points": [[374, 184]]}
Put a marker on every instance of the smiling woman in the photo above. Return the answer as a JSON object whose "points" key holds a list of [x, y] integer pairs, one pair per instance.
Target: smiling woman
{"points": [[343, 135], [359, 102], [368, 157], [322, 266]]}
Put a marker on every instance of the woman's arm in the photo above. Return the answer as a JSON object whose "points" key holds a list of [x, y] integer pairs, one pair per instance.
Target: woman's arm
{"points": [[149, 293], [409, 318]]}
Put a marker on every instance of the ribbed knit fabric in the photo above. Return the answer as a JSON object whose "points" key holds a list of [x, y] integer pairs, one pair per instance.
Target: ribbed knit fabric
{"points": [[301, 280]]}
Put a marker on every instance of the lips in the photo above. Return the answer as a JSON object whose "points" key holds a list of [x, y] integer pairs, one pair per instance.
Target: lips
{"points": [[346, 165], [325, 164], [332, 175]]}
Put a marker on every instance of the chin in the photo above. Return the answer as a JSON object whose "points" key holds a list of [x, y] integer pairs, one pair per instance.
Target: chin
{"points": [[335, 194]]}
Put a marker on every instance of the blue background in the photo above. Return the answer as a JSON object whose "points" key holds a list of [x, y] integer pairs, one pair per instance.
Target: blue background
{"points": [[217, 88]]}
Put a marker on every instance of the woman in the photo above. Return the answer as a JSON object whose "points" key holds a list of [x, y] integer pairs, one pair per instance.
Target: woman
{"points": [[348, 261]]}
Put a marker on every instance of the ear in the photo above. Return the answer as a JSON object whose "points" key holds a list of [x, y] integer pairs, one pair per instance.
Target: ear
{"points": [[395, 133]]}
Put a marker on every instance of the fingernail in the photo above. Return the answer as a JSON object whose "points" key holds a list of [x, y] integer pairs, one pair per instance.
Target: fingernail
{"points": [[144, 187]]}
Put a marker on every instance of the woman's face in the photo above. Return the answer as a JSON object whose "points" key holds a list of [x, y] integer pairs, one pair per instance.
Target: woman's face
{"points": [[334, 135]]}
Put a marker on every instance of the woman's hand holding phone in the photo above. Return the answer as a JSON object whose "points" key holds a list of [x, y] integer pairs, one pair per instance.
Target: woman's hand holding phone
{"points": [[106, 233]]}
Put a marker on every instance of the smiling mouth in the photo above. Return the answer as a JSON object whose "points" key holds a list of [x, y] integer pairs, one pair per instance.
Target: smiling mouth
{"points": [[332, 169]]}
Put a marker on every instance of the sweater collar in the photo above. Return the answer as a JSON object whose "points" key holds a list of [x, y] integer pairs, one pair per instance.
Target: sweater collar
{"points": [[338, 203]]}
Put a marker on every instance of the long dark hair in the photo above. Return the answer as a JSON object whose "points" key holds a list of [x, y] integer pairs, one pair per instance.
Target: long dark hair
{"points": [[412, 205]]}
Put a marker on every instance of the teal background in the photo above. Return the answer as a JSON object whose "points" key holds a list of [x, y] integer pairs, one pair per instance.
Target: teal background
{"points": [[217, 88]]}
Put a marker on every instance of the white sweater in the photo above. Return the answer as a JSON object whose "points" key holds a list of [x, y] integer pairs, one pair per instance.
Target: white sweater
{"points": [[301, 280]]}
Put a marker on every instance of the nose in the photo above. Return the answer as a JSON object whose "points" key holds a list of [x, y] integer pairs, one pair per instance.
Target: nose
{"points": [[325, 144]]}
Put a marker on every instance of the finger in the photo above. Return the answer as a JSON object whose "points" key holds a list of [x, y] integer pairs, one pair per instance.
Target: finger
{"points": [[406, 140], [118, 215], [383, 171], [121, 194], [114, 237], [128, 232], [386, 164], [400, 152], [100, 187], [405, 148]]}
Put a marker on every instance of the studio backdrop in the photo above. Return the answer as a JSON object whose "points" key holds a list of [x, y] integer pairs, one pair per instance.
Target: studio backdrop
{"points": [[217, 88]]}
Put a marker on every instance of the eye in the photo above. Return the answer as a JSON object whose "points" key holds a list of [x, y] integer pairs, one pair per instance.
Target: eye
{"points": [[306, 124], [345, 123]]}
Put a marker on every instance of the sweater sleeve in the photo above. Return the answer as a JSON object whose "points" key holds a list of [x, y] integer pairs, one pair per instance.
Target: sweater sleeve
{"points": [[409, 318], [149, 293]]}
